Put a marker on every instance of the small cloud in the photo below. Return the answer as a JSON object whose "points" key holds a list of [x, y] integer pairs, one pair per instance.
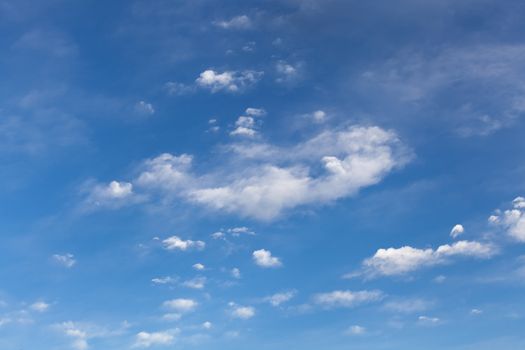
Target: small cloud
{"points": [[439, 279], [195, 283], [207, 325], [164, 280], [236, 273], [181, 305], [355, 330], [198, 267], [242, 312], [346, 298], [146, 339], [476, 312], [40, 306], [177, 89], [244, 126], [264, 258], [176, 243], [428, 321], [280, 298], [67, 260], [255, 112], [143, 107], [228, 81], [287, 73], [238, 22], [457, 230]]}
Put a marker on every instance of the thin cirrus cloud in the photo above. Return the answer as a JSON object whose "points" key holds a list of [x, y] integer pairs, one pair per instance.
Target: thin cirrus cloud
{"points": [[237, 22]]}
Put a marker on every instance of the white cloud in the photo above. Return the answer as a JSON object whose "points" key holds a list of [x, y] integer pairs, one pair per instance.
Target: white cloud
{"points": [[67, 260], [207, 325], [244, 126], [255, 112], [457, 230], [195, 283], [228, 81], [355, 330], [198, 266], [408, 306], [280, 298], [264, 258], [175, 88], [72, 330], [164, 280], [146, 339], [176, 243], [181, 304], [428, 321], [113, 195], [236, 273], [346, 298], [143, 107], [242, 312], [476, 312], [512, 220], [238, 22], [267, 180], [399, 261], [40, 306], [287, 73]]}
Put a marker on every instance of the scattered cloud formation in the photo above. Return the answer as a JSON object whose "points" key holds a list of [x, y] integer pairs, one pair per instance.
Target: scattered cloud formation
{"points": [[347, 298], [264, 258], [143, 107], [228, 81]]}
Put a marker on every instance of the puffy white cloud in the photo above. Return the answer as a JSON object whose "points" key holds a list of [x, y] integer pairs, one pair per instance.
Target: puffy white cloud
{"points": [[242, 312], [280, 298], [512, 220], [228, 81], [264, 258], [198, 266], [457, 230], [67, 260], [238, 22], [181, 304], [146, 339], [244, 126], [346, 298], [399, 261], [476, 312], [40, 306], [176, 243], [267, 180], [113, 195], [207, 325], [143, 107]]}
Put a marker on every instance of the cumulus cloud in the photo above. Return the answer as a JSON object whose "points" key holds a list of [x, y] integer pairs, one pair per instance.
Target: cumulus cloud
{"points": [[228, 81], [242, 312], [287, 73], [146, 339], [244, 126], [280, 298], [198, 266], [238, 22], [268, 180], [457, 230], [143, 107], [400, 261], [113, 195], [176, 243], [67, 260], [264, 258], [346, 298], [512, 220], [181, 304], [40, 306]]}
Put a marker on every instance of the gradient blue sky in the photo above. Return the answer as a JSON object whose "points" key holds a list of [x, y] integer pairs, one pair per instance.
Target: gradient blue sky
{"points": [[264, 175]]}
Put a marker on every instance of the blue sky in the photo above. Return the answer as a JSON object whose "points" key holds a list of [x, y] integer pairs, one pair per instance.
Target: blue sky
{"points": [[299, 174]]}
